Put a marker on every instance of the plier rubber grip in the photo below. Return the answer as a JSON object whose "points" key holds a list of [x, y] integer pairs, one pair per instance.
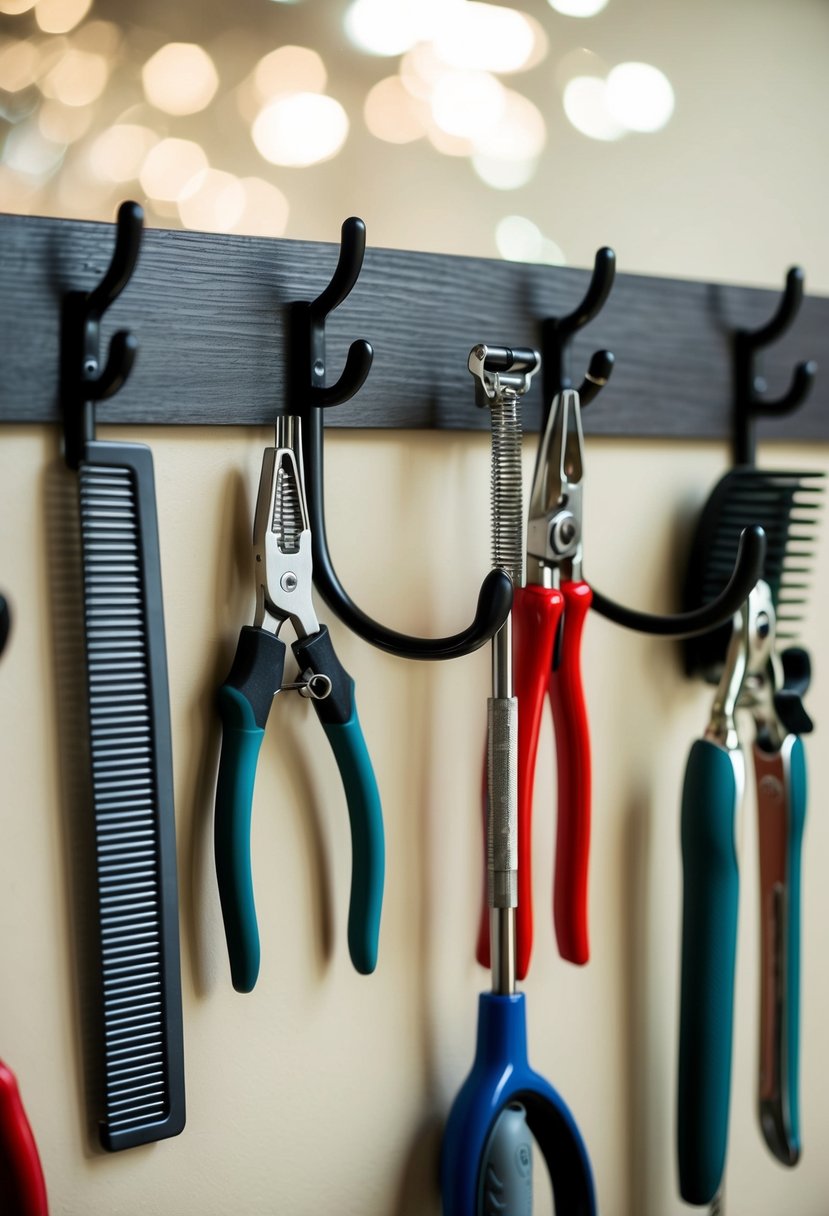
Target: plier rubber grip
{"points": [[22, 1186], [282, 545]]}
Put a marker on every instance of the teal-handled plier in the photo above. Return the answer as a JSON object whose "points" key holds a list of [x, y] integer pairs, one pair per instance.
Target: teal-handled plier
{"points": [[282, 562]]}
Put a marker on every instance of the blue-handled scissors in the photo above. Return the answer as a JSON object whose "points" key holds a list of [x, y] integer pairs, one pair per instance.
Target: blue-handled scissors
{"points": [[282, 562], [501, 1078]]}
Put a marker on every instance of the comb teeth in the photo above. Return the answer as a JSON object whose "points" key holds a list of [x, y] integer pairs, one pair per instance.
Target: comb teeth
{"points": [[787, 506], [124, 800]]}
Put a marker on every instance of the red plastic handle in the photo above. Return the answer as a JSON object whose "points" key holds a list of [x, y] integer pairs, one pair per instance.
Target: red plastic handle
{"points": [[536, 613], [22, 1187], [574, 782]]}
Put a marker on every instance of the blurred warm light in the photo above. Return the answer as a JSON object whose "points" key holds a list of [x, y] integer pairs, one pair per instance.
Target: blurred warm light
{"points": [[13, 8], [60, 16], [266, 209], [585, 104], [212, 201], [578, 8], [579, 62], [504, 174], [17, 191], [300, 129], [64, 124], [391, 27], [18, 65], [119, 152], [519, 134], [420, 70], [77, 79], [290, 69], [392, 114], [78, 194], [169, 167], [49, 54], [101, 36], [449, 145], [520, 240], [28, 151], [180, 78], [485, 37], [639, 97], [466, 103]]}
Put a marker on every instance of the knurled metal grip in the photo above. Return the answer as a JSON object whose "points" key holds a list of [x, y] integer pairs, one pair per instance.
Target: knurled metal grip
{"points": [[502, 794]]}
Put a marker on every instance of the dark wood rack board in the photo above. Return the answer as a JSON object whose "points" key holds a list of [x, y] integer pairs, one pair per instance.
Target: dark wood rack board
{"points": [[211, 317]]}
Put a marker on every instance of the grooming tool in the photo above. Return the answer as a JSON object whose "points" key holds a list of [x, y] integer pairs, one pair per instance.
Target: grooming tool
{"points": [[549, 613], [22, 1186], [283, 571], [129, 729], [785, 505], [479, 1174]]}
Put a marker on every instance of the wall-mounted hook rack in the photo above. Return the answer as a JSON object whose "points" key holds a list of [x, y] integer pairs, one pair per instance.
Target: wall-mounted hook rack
{"points": [[226, 301], [749, 385], [83, 379], [308, 376]]}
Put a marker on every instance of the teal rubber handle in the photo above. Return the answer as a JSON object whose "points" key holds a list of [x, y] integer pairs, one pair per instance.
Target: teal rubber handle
{"points": [[713, 786], [241, 741], [368, 850]]}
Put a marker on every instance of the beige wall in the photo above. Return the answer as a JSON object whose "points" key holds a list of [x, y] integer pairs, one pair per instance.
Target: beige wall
{"points": [[323, 1091]]}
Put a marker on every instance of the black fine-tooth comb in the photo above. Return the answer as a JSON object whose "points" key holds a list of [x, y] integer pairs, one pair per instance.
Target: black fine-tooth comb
{"points": [[129, 730]]}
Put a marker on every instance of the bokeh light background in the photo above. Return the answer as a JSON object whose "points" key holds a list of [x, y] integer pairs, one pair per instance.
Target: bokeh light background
{"points": [[533, 132]]}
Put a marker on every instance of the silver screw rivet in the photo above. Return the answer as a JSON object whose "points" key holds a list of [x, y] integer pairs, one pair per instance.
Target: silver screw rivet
{"points": [[288, 582]]}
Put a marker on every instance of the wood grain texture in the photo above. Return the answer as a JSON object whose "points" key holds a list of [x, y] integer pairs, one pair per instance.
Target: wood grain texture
{"points": [[210, 314]]}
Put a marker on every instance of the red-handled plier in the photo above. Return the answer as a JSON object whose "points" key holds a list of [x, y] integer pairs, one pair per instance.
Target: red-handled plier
{"points": [[548, 620], [22, 1189]]}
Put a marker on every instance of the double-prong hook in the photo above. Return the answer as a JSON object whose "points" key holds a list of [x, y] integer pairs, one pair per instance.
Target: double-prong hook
{"points": [[312, 397], [83, 380], [557, 334], [750, 402]]}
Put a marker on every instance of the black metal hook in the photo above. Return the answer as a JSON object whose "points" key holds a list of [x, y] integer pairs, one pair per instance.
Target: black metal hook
{"points": [[748, 567], [749, 385], [557, 335], [312, 397], [83, 381]]}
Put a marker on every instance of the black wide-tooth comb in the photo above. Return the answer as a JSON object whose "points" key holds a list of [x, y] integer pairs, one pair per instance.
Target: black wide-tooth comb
{"points": [[787, 505]]}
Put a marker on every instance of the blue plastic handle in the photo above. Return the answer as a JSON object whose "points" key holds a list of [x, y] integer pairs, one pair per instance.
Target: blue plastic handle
{"points": [[713, 786], [241, 741], [368, 850], [501, 1075]]}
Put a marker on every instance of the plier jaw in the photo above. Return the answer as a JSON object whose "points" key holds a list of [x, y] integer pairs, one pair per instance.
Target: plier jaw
{"points": [[554, 526], [282, 538]]}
